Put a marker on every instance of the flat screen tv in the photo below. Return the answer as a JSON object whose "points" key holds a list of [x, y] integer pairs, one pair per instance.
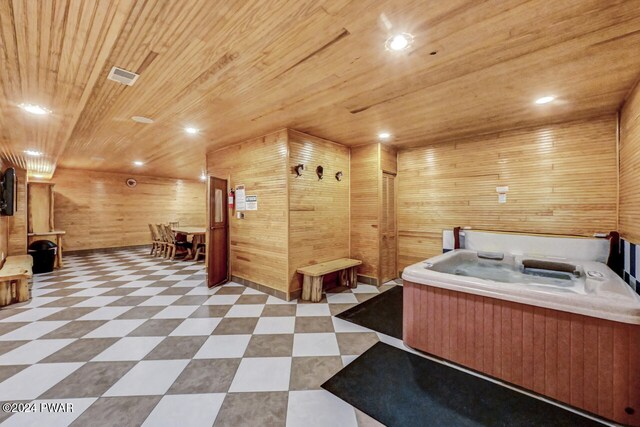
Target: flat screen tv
{"points": [[8, 192]]}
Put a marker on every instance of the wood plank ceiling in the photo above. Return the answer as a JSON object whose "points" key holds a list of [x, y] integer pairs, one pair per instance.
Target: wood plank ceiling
{"points": [[239, 69]]}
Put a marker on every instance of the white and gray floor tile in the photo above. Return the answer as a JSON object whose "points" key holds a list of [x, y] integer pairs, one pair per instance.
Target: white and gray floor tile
{"points": [[129, 339]]}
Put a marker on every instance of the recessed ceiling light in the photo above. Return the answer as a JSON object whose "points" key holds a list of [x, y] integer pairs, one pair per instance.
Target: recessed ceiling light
{"points": [[192, 131], [34, 109], [545, 100], [142, 119], [384, 135], [203, 177], [399, 42], [33, 153], [138, 163]]}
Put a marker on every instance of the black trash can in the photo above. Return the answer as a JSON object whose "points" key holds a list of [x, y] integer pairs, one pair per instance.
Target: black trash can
{"points": [[44, 255]]}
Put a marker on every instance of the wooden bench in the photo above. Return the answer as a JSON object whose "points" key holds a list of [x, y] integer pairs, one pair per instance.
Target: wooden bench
{"points": [[14, 279], [314, 274]]}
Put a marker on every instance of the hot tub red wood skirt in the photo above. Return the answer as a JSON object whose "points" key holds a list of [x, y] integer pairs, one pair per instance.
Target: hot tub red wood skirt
{"points": [[589, 363]]}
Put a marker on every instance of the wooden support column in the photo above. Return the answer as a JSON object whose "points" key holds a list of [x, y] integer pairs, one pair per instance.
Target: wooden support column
{"points": [[353, 277], [23, 290], [343, 278], [306, 288], [5, 293], [316, 288]]}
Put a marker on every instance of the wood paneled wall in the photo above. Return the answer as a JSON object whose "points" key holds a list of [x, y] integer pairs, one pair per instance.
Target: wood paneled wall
{"points": [[17, 224], [98, 210], [368, 162], [4, 234], [318, 208], [365, 227], [388, 159], [562, 180], [258, 243], [629, 221], [4, 237]]}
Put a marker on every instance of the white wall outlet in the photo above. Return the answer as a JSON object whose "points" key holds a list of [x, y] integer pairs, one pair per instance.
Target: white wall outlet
{"points": [[502, 198]]}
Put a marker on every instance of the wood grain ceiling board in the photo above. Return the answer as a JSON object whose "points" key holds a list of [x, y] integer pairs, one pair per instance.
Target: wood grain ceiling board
{"points": [[239, 69]]}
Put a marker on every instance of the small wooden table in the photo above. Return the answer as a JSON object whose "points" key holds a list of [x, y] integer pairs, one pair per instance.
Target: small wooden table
{"points": [[314, 274], [198, 234], [58, 235]]}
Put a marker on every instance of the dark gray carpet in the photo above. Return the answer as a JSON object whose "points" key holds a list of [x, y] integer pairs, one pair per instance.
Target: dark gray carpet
{"points": [[382, 313], [401, 389]]}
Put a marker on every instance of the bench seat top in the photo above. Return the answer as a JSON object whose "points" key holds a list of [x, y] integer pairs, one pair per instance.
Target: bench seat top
{"points": [[16, 267], [328, 267]]}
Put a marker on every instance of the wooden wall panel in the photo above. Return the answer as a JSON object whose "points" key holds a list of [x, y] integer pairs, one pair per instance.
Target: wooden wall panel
{"points": [[98, 210], [630, 168], [4, 231], [365, 227], [562, 180], [318, 208], [387, 189], [586, 362], [17, 224], [258, 243], [4, 238], [40, 202], [388, 158]]}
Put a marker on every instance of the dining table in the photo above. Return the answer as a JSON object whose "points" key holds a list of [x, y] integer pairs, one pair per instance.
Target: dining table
{"points": [[197, 236]]}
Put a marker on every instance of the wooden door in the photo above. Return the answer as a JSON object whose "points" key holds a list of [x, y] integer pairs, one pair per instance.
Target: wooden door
{"points": [[388, 245], [218, 244]]}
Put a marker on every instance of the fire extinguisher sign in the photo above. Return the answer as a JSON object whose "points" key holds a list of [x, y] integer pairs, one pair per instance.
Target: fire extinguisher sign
{"points": [[241, 199]]}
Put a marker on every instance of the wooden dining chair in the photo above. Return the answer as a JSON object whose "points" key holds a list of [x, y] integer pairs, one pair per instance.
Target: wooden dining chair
{"points": [[156, 241], [166, 244], [173, 245], [200, 247], [162, 244]]}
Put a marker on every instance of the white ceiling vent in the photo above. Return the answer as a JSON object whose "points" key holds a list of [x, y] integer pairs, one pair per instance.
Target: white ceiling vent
{"points": [[123, 76]]}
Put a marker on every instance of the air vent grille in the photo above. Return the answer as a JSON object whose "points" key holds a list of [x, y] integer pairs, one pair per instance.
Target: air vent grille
{"points": [[123, 76]]}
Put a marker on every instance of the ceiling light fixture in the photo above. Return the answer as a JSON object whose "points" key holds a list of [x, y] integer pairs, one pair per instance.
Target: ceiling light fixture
{"points": [[138, 163], [192, 131], [142, 119], [35, 109], [399, 42], [545, 100], [203, 177], [33, 153], [384, 135]]}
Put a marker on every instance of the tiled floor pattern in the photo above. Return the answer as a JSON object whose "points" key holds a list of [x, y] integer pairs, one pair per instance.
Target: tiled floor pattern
{"points": [[129, 339]]}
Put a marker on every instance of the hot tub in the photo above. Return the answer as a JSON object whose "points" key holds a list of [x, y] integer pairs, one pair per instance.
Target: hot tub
{"points": [[566, 329]]}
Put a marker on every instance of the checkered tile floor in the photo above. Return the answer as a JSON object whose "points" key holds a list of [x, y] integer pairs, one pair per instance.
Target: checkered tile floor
{"points": [[129, 339]]}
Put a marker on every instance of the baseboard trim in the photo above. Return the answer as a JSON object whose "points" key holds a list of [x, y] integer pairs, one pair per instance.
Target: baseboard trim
{"points": [[367, 280], [105, 250], [285, 296]]}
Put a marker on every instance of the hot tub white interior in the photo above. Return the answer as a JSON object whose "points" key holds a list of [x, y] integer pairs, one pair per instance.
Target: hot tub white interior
{"points": [[588, 287]]}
